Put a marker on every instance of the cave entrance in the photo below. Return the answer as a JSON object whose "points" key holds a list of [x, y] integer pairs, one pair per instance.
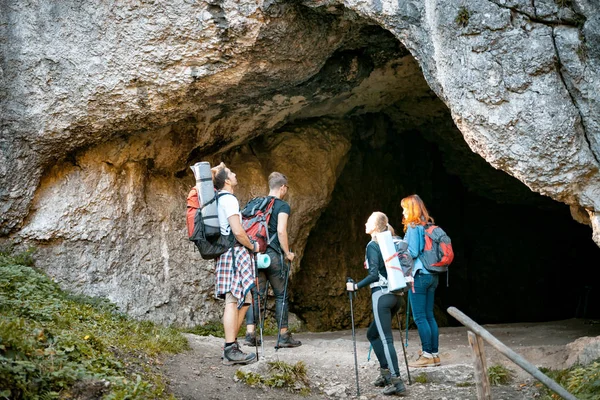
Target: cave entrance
{"points": [[519, 256]]}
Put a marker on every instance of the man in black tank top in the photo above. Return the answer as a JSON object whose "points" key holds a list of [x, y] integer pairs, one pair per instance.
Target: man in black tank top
{"points": [[280, 254]]}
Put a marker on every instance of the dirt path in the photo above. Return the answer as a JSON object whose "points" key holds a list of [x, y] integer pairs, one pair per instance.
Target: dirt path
{"points": [[199, 374]]}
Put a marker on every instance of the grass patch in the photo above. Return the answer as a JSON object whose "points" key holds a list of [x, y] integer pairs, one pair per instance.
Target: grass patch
{"points": [[421, 378], [465, 384], [215, 328], [581, 381], [564, 3], [463, 16], [499, 375], [56, 345], [281, 375]]}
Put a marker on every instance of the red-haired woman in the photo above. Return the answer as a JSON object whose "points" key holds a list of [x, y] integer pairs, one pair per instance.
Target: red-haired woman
{"points": [[415, 217]]}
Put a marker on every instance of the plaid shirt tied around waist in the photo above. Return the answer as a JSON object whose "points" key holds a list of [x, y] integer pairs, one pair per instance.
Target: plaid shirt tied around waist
{"points": [[238, 277]]}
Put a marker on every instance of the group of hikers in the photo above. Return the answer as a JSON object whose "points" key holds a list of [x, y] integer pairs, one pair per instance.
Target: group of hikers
{"points": [[235, 279]]}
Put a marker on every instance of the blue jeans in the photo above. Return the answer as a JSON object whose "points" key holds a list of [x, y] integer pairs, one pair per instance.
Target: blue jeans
{"points": [[276, 274], [421, 302]]}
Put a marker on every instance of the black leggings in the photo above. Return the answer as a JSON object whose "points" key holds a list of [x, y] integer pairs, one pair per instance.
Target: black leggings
{"points": [[385, 306]]}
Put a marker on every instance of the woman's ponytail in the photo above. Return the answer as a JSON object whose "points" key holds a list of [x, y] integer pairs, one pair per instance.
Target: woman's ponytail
{"points": [[391, 229]]}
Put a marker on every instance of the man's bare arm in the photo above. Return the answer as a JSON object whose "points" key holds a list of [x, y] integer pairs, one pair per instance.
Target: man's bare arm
{"points": [[282, 220]]}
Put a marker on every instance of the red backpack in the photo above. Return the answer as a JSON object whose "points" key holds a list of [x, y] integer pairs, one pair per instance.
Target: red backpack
{"points": [[437, 254], [255, 220]]}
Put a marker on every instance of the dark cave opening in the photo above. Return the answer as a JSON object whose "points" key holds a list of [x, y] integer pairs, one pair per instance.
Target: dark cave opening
{"points": [[519, 256]]}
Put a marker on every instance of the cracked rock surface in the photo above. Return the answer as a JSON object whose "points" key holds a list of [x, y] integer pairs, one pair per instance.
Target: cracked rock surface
{"points": [[104, 107]]}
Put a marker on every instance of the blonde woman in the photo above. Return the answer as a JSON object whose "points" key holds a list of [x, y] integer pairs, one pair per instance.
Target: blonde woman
{"points": [[385, 306]]}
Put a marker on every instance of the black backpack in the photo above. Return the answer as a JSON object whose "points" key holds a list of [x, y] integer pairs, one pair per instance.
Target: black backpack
{"points": [[406, 261], [210, 248]]}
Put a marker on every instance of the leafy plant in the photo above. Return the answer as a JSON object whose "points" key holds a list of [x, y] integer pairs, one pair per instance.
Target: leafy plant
{"points": [[215, 328], [463, 16], [281, 375], [564, 3], [499, 375], [54, 344], [421, 378], [582, 381]]}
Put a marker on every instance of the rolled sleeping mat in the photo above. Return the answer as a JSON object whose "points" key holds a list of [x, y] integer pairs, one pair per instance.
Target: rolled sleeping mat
{"points": [[206, 197], [263, 260], [396, 281]]}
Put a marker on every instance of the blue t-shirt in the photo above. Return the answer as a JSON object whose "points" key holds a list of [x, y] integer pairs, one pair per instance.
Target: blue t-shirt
{"points": [[415, 237]]}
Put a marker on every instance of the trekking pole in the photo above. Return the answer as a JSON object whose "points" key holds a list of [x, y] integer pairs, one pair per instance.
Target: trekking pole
{"points": [[257, 287], [407, 309], [287, 275], [257, 291], [353, 337], [403, 349]]}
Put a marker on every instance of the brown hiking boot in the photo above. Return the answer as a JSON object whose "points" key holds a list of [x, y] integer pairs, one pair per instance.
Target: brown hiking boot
{"points": [[286, 340], [422, 362], [436, 361], [233, 355]]}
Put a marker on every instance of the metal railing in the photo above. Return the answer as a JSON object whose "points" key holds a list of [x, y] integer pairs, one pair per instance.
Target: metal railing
{"points": [[476, 336]]}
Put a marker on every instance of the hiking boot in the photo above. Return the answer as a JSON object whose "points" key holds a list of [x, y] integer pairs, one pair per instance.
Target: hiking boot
{"points": [[422, 362], [251, 339], [286, 340], [384, 379], [233, 355], [395, 388], [436, 361]]}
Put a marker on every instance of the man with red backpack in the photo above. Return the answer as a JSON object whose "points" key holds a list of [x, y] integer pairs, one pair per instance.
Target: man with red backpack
{"points": [[277, 273], [234, 275]]}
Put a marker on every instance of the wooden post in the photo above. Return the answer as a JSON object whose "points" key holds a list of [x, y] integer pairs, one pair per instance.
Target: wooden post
{"points": [[481, 376], [509, 353]]}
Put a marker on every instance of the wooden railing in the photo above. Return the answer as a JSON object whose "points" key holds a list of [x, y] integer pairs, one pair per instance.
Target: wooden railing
{"points": [[477, 334]]}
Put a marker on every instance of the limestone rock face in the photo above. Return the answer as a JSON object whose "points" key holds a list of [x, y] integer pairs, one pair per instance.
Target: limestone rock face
{"points": [[105, 106], [111, 226]]}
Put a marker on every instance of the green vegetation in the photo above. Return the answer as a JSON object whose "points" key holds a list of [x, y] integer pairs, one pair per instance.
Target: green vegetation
{"points": [[581, 381], [465, 384], [421, 378], [564, 3], [55, 345], [281, 375], [463, 16], [499, 375], [581, 50], [215, 328]]}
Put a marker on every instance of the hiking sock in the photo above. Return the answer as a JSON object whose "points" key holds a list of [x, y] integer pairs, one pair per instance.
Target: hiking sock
{"points": [[427, 355], [228, 344]]}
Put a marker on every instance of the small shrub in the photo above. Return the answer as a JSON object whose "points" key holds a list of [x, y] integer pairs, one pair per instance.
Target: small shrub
{"points": [[564, 3], [463, 16], [499, 375], [214, 328], [281, 375], [421, 378], [582, 381]]}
